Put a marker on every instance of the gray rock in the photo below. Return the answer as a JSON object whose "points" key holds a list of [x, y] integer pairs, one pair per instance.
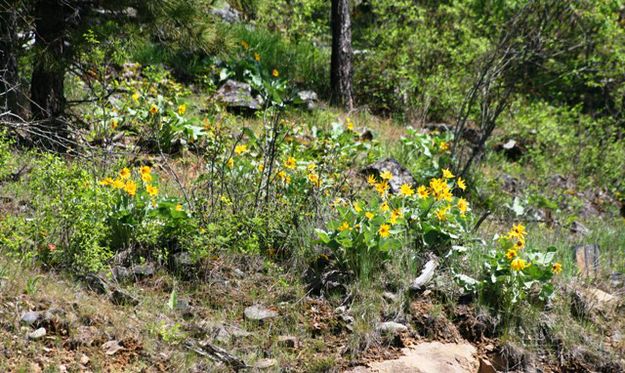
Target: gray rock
{"points": [[225, 333], [579, 228], [391, 327], [112, 347], [389, 297], [226, 13], [238, 95], [85, 335], [400, 174], [37, 334], [29, 318], [259, 313], [308, 98]]}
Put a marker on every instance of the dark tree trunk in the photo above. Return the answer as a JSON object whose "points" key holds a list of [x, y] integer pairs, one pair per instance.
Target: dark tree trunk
{"points": [[341, 64], [9, 78], [46, 89]]}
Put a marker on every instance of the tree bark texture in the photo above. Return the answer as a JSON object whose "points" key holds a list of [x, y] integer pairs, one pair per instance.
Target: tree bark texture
{"points": [[341, 61], [9, 78], [47, 86]]}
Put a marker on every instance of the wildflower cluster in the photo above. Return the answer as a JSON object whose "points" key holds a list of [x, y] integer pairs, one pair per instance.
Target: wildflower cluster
{"points": [[515, 274], [387, 221]]}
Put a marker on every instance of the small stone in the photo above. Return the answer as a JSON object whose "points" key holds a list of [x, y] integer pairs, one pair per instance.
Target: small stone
{"points": [[391, 327], [266, 363], [112, 347], [579, 228], [30, 317], [401, 175], [259, 313], [288, 341], [37, 334], [84, 359], [389, 297]]}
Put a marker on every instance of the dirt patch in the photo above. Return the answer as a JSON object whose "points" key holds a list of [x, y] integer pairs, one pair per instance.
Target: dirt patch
{"points": [[431, 322]]}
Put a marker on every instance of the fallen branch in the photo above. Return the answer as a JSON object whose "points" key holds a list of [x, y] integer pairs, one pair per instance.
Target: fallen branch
{"points": [[426, 274], [216, 354]]}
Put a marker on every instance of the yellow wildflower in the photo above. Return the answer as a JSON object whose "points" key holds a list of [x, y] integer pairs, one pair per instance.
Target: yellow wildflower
{"points": [[519, 245], [369, 215], [106, 182], [357, 207], [153, 109], [406, 190], [275, 73], [152, 190], [124, 173], [395, 214], [381, 187], [444, 146], [311, 167], [145, 170], [463, 205], [556, 268], [447, 174], [344, 227], [314, 179], [518, 231], [261, 167], [245, 44], [240, 149], [441, 213], [285, 177], [179, 207], [230, 163], [147, 178], [118, 184], [290, 163], [182, 108], [422, 191], [518, 264], [257, 57], [349, 124], [136, 96], [385, 230], [386, 175], [511, 254], [114, 123], [461, 184], [131, 188], [384, 206], [371, 180]]}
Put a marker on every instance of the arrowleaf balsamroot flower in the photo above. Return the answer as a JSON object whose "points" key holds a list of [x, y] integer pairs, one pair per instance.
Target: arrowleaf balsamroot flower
{"points": [[406, 190], [179, 208], [556, 268], [275, 73], [371, 180], [519, 264], [152, 190], [422, 191], [386, 175], [385, 230], [447, 174], [131, 188], [461, 184], [153, 109], [124, 173], [344, 226], [290, 163], [511, 254], [240, 149], [369, 215], [463, 205], [182, 108]]}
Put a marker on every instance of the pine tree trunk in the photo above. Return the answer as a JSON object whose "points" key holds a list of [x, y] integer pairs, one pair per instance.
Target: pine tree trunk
{"points": [[46, 90], [9, 78], [341, 63]]}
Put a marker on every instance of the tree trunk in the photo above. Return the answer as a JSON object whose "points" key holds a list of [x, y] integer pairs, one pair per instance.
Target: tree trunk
{"points": [[9, 78], [46, 89], [341, 64]]}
